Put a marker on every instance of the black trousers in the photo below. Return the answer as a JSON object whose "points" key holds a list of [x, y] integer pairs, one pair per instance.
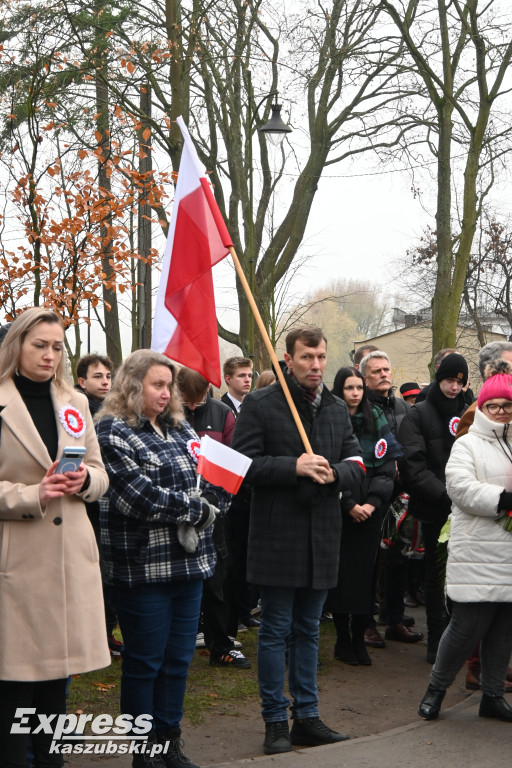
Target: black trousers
{"points": [[437, 618], [48, 697], [239, 516], [220, 620]]}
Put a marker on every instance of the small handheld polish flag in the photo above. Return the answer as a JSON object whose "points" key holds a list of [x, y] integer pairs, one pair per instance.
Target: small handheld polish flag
{"points": [[222, 466]]}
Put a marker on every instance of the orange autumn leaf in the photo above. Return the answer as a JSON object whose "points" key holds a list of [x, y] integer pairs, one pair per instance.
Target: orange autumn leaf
{"points": [[104, 688]]}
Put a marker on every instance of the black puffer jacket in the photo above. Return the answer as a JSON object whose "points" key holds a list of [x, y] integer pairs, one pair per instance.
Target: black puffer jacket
{"points": [[213, 419], [427, 436]]}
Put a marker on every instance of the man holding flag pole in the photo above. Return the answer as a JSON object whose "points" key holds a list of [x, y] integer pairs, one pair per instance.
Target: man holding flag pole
{"points": [[302, 455], [295, 529]]}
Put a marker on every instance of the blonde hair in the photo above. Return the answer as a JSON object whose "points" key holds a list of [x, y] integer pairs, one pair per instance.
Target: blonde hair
{"points": [[265, 378], [125, 400], [10, 352]]}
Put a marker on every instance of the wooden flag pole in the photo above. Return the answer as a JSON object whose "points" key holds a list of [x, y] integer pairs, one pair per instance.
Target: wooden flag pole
{"points": [[270, 349]]}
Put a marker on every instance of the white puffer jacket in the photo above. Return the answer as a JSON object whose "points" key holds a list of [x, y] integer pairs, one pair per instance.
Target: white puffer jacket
{"points": [[479, 567]]}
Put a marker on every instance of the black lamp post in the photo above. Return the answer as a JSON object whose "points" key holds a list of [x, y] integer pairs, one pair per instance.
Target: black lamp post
{"points": [[276, 129]]}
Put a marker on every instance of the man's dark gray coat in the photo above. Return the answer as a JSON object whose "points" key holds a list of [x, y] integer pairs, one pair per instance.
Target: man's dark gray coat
{"points": [[295, 527]]}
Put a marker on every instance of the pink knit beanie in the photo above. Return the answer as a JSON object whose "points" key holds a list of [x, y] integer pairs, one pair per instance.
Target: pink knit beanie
{"points": [[499, 385]]}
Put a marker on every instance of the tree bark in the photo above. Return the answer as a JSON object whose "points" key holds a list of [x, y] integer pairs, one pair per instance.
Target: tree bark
{"points": [[144, 271], [110, 304]]}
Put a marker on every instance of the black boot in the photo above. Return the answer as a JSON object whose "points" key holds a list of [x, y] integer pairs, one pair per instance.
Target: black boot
{"points": [[358, 644], [172, 755], [360, 652], [277, 738], [431, 703], [312, 732], [343, 648], [147, 759], [495, 706], [343, 651]]}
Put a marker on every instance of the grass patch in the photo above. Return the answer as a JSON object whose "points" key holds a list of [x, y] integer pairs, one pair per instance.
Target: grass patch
{"points": [[209, 689], [96, 692]]}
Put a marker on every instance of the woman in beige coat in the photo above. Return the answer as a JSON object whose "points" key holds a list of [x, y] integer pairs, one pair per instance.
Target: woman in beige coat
{"points": [[51, 608]]}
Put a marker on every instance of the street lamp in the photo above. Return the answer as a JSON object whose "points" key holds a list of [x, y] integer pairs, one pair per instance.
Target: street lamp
{"points": [[276, 129]]}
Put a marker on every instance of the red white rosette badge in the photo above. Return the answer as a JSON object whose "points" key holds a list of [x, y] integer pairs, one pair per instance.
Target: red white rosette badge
{"points": [[194, 448], [72, 421], [380, 448], [452, 426]]}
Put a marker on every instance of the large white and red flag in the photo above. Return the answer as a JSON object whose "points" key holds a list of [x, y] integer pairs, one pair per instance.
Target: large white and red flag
{"points": [[185, 325], [222, 466]]}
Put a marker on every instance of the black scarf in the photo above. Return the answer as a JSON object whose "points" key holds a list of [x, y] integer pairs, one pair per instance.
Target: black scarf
{"points": [[449, 408]]}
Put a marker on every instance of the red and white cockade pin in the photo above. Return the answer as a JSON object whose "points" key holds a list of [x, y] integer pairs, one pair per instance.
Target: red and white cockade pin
{"points": [[194, 448], [72, 421], [380, 448], [452, 426]]}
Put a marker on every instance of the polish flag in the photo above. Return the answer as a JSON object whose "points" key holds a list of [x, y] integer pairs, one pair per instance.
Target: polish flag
{"points": [[185, 325], [222, 466]]}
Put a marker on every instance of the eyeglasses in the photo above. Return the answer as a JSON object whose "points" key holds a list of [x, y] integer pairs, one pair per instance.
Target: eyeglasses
{"points": [[494, 408], [194, 405]]}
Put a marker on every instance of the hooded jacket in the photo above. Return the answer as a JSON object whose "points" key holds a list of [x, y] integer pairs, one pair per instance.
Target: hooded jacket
{"points": [[479, 564]]}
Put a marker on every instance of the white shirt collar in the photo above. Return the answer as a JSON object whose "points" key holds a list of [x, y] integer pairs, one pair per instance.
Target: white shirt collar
{"points": [[236, 403]]}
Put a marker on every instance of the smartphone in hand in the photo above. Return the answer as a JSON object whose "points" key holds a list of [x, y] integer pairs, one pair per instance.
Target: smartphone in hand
{"points": [[72, 456]]}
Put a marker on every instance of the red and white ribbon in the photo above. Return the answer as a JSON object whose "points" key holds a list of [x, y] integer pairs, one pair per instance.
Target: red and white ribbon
{"points": [[72, 421]]}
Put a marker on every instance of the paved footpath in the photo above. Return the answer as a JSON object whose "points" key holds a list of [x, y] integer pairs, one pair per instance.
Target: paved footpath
{"points": [[459, 739]]}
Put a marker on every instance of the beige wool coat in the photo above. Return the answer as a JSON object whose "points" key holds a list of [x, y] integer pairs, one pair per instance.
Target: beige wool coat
{"points": [[52, 620]]}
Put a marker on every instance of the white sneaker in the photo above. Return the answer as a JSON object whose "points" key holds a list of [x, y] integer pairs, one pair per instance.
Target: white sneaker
{"points": [[200, 640]]}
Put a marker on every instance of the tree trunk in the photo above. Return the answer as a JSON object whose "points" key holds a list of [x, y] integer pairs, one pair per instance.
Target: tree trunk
{"points": [[110, 305], [144, 285]]}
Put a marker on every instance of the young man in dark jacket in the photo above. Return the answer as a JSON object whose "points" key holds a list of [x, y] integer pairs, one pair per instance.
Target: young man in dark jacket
{"points": [[295, 529], [94, 375], [427, 434], [208, 416], [238, 375]]}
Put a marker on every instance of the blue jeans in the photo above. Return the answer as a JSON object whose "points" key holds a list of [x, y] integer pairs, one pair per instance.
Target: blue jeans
{"points": [[289, 617], [159, 626]]}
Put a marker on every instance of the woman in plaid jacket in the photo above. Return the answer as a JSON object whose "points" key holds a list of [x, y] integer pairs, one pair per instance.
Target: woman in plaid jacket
{"points": [[157, 542]]}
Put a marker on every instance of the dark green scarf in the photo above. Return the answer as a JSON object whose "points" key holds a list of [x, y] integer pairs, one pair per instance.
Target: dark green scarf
{"points": [[379, 446]]}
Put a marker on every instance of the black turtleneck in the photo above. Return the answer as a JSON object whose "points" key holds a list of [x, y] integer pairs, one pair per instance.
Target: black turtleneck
{"points": [[36, 396]]}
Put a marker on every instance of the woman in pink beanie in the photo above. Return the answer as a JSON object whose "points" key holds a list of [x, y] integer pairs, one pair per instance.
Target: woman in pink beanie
{"points": [[479, 567]]}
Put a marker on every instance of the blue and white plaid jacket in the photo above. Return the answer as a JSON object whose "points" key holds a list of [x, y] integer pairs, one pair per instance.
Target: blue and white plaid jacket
{"points": [[151, 479]]}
